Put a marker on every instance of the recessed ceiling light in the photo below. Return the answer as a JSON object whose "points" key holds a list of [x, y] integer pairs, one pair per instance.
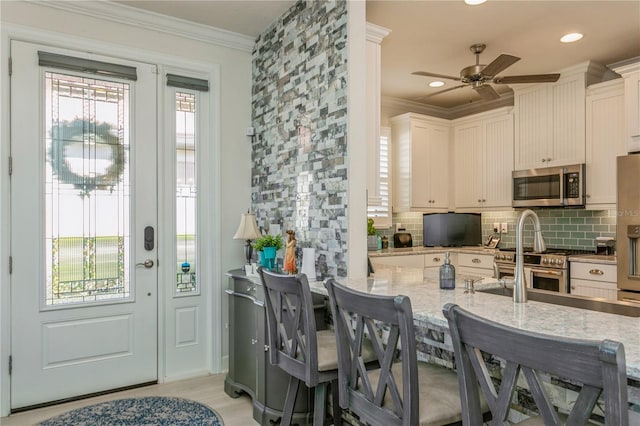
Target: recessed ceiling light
{"points": [[436, 84], [474, 2], [571, 37]]}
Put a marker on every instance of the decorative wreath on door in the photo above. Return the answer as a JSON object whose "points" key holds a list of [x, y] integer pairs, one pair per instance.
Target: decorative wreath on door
{"points": [[69, 135]]}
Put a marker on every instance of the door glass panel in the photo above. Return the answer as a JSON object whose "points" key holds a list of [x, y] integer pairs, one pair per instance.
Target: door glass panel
{"points": [[86, 190], [186, 193]]}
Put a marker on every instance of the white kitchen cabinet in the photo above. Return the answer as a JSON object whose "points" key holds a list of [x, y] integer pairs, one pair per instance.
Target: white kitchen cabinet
{"points": [[483, 160], [630, 72], [475, 264], [436, 259], [594, 280], [605, 140], [550, 119], [420, 163], [375, 35]]}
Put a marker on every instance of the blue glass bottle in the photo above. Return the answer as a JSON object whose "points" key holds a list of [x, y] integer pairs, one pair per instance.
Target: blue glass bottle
{"points": [[447, 274]]}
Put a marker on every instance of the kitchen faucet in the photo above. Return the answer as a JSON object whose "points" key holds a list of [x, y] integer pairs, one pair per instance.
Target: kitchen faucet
{"points": [[519, 287]]}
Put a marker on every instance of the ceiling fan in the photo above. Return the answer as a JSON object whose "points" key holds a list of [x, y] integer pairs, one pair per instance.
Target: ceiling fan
{"points": [[478, 76]]}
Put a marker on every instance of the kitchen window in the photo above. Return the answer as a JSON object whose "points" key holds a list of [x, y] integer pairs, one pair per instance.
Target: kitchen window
{"points": [[381, 214]]}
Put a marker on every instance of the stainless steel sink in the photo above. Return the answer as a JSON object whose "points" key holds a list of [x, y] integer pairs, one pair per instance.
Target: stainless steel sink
{"points": [[607, 306]]}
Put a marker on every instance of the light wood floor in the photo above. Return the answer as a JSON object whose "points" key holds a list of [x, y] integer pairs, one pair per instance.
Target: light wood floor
{"points": [[207, 390]]}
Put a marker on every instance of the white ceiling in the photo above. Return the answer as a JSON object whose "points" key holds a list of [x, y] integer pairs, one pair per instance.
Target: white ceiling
{"points": [[435, 35], [248, 17]]}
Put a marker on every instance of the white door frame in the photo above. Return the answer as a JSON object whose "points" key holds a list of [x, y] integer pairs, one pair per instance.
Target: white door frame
{"points": [[213, 281]]}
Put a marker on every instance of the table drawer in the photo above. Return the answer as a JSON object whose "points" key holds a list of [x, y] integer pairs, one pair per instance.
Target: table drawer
{"points": [[594, 272]]}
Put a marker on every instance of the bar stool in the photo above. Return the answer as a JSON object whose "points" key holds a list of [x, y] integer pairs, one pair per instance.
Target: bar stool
{"points": [[296, 347], [407, 392], [598, 365]]}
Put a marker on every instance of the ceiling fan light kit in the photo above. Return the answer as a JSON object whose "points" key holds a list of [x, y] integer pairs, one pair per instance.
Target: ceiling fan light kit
{"points": [[479, 76]]}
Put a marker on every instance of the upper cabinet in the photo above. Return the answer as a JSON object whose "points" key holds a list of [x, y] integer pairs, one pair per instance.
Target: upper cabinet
{"points": [[483, 160], [420, 163], [606, 140], [630, 71], [375, 34], [550, 119]]}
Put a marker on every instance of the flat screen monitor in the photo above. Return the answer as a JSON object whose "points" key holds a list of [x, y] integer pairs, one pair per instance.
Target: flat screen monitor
{"points": [[451, 229]]}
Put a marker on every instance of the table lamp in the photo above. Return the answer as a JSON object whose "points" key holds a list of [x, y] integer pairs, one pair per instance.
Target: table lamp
{"points": [[247, 230]]}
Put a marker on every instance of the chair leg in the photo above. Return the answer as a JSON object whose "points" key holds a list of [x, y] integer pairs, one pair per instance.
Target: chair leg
{"points": [[289, 403], [335, 398], [319, 404]]}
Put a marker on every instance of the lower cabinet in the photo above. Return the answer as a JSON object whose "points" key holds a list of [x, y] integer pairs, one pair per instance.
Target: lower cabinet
{"points": [[249, 368], [475, 264], [594, 280]]}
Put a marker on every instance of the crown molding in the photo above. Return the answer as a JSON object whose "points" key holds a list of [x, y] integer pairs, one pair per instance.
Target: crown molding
{"points": [[376, 33], [389, 102], [627, 66], [128, 15]]}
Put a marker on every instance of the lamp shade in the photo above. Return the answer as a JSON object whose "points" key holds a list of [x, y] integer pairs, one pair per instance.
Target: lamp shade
{"points": [[248, 228]]}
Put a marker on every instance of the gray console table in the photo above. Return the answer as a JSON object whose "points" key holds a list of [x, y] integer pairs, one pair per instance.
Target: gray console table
{"points": [[249, 367]]}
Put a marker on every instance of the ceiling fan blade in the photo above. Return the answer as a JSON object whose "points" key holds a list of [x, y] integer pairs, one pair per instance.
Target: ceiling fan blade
{"points": [[437, 93], [487, 92], [533, 78], [430, 74], [501, 63]]}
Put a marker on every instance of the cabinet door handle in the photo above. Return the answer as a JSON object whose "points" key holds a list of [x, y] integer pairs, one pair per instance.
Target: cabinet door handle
{"points": [[548, 160], [436, 259], [573, 287], [266, 348], [475, 260], [544, 160], [596, 272]]}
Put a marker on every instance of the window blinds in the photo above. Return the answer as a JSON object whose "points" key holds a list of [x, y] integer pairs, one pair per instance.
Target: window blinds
{"points": [[107, 69], [191, 83]]}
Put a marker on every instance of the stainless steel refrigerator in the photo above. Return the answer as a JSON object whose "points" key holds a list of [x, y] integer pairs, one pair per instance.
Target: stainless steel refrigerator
{"points": [[628, 228]]}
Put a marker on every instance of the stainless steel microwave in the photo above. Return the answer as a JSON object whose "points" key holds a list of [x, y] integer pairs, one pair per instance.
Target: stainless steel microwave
{"points": [[549, 187]]}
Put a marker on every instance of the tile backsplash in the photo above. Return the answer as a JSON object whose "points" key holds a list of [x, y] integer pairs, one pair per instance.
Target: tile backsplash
{"points": [[562, 228]]}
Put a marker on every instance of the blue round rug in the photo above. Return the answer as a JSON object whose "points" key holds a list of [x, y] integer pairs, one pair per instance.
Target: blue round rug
{"points": [[155, 410]]}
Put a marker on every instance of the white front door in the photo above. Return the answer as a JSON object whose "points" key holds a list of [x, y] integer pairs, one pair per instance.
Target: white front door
{"points": [[84, 286]]}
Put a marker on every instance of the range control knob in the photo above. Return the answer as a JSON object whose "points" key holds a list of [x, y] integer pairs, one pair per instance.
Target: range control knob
{"points": [[545, 260], [560, 262]]}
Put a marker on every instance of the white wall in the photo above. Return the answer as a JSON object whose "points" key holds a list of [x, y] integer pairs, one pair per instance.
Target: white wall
{"points": [[152, 40]]}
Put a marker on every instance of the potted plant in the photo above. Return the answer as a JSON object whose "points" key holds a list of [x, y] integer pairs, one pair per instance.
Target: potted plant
{"points": [[372, 238], [268, 245]]}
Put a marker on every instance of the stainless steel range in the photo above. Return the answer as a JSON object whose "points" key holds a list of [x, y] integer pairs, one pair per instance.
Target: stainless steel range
{"points": [[544, 271]]}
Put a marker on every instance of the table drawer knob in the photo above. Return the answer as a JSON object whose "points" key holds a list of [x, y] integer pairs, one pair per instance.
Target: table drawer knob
{"points": [[436, 259], [475, 260]]}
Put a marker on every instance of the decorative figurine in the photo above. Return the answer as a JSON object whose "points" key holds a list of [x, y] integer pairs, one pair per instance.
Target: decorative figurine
{"points": [[290, 254]]}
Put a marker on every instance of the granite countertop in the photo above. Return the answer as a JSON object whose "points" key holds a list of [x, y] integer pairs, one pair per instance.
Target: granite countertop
{"points": [[426, 250], [594, 258], [427, 301]]}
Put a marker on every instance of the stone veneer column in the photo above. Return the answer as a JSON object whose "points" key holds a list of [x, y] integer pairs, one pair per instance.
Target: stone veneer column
{"points": [[299, 155]]}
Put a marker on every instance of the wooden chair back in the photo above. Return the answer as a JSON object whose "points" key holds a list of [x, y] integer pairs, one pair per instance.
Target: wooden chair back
{"points": [[291, 325], [388, 395], [598, 365]]}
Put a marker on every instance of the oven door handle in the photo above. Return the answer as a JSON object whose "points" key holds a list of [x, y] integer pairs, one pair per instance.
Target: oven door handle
{"points": [[546, 272]]}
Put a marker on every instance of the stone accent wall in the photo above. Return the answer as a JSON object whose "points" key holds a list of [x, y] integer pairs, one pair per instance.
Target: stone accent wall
{"points": [[299, 167]]}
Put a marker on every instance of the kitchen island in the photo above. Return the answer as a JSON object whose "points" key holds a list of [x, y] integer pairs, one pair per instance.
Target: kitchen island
{"points": [[434, 343]]}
